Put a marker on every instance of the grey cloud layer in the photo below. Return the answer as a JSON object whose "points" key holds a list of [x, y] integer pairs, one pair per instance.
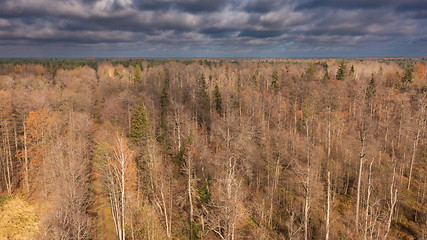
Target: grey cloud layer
{"points": [[248, 27]]}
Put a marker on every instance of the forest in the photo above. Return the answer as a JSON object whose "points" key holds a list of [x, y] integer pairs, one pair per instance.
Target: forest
{"points": [[262, 148]]}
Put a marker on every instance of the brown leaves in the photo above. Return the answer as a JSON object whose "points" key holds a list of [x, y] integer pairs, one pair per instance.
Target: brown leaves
{"points": [[6, 107], [36, 126]]}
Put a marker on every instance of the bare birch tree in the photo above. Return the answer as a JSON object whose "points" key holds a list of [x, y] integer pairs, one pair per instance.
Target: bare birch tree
{"points": [[365, 232], [393, 195], [120, 174], [328, 206], [420, 126], [362, 136]]}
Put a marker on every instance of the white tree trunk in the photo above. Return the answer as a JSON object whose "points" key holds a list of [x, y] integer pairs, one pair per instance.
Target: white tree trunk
{"points": [[329, 132], [6, 157], [329, 206], [273, 188], [189, 189], [27, 184], [393, 197], [414, 149], [307, 185], [367, 201], [362, 154]]}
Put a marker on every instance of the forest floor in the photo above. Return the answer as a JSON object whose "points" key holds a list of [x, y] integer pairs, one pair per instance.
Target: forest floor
{"points": [[19, 218], [104, 220]]}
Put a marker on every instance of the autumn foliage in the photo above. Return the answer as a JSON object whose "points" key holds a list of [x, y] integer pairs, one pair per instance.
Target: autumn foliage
{"points": [[216, 148]]}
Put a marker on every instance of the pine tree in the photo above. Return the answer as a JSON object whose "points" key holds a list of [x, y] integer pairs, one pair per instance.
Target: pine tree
{"points": [[275, 80], [371, 90], [203, 103], [204, 192], [326, 76], [140, 128], [218, 100], [341, 71], [164, 105], [407, 79], [409, 76], [137, 74]]}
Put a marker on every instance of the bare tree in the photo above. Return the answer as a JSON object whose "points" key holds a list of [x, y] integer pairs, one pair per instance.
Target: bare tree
{"points": [[362, 136], [120, 173], [420, 126], [188, 170], [393, 195], [26, 182], [66, 160], [159, 176], [307, 181], [367, 201], [329, 206]]}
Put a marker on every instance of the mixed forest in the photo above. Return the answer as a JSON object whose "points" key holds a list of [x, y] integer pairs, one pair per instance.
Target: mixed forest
{"points": [[213, 149]]}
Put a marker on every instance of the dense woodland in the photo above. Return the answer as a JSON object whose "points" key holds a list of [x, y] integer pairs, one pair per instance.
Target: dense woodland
{"points": [[214, 148]]}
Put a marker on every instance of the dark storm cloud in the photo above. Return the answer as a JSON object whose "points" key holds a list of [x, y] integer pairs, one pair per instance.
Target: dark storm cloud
{"points": [[233, 27], [215, 32], [416, 6], [346, 4], [260, 34], [360, 23], [132, 23], [263, 6], [185, 5], [415, 9]]}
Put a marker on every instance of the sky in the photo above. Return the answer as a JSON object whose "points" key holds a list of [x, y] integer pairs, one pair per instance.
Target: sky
{"points": [[213, 28]]}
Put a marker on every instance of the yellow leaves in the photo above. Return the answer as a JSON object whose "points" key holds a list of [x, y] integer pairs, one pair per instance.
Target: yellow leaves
{"points": [[36, 123], [19, 219]]}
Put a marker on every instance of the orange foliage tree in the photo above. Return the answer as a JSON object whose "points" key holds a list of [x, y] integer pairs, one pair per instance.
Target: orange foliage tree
{"points": [[35, 127]]}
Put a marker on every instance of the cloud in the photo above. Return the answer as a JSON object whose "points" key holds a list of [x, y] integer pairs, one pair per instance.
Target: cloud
{"points": [[184, 5], [249, 27], [263, 6], [345, 4], [4, 23], [260, 33]]}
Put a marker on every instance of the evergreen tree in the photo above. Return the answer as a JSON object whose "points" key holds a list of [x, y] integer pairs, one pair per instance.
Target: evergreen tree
{"points": [[324, 65], [407, 79], [218, 100], [371, 90], [409, 76], [203, 103], [341, 71], [137, 74], [140, 128], [164, 105], [204, 192], [326, 77], [275, 80]]}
